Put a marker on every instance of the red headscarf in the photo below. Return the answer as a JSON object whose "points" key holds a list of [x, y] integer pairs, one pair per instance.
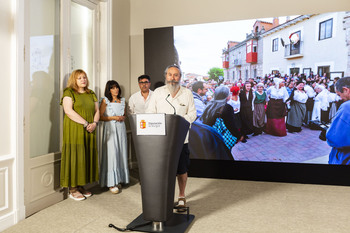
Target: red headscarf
{"points": [[234, 90]]}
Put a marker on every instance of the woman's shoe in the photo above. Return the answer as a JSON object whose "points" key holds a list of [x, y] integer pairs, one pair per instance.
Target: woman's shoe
{"points": [[114, 190], [76, 195], [84, 191]]}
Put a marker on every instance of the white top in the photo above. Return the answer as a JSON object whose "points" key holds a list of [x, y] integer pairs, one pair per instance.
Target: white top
{"points": [[275, 93], [332, 97], [300, 96], [183, 103], [235, 104], [309, 91], [322, 98], [138, 104]]}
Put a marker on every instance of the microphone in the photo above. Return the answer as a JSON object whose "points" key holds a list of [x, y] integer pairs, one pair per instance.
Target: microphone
{"points": [[170, 104]]}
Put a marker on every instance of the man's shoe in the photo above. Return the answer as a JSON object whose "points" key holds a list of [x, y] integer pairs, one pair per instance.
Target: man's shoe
{"points": [[181, 204]]}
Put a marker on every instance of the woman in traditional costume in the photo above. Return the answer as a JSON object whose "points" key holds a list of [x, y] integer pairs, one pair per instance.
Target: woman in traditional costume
{"points": [[259, 100], [297, 111], [276, 110]]}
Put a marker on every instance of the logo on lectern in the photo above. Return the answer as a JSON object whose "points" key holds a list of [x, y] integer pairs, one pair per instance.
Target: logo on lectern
{"points": [[142, 124]]}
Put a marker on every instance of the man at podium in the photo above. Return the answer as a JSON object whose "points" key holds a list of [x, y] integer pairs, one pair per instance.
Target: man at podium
{"points": [[175, 99]]}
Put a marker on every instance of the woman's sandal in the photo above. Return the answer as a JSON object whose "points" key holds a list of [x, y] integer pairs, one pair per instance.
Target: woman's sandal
{"points": [[114, 190], [76, 195], [84, 191]]}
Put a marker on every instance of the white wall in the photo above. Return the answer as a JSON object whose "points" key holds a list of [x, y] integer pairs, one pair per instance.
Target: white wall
{"points": [[8, 120], [315, 52], [6, 28], [156, 13]]}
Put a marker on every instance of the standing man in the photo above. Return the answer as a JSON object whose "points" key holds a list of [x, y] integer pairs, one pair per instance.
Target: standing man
{"points": [[199, 90], [182, 100], [338, 134], [139, 101]]}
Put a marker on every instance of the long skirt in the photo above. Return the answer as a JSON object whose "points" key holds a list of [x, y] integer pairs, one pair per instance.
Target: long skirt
{"points": [[276, 112], [246, 115], [296, 114], [259, 115]]}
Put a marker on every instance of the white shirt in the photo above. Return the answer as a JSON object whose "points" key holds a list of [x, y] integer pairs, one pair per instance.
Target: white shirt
{"points": [[300, 96], [322, 98], [138, 104], [235, 104], [309, 91], [275, 93], [183, 103]]}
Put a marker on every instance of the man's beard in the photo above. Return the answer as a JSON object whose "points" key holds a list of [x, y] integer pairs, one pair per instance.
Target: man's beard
{"points": [[172, 86]]}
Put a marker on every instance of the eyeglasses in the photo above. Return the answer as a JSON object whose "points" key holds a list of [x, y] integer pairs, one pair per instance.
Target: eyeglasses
{"points": [[143, 83]]}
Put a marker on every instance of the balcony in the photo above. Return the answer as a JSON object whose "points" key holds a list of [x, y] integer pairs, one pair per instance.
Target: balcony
{"points": [[237, 62], [252, 57], [294, 51]]}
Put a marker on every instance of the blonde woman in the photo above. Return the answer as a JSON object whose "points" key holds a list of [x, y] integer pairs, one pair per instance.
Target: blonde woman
{"points": [[79, 164]]}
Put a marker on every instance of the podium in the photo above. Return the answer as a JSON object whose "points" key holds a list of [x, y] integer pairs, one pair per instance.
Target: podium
{"points": [[158, 157]]}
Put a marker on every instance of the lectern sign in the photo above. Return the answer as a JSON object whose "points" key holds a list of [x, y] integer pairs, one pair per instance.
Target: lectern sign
{"points": [[150, 124]]}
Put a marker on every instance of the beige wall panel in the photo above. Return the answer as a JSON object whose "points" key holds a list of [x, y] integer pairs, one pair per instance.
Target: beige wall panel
{"points": [[6, 188], [121, 45], [155, 13], [136, 52]]}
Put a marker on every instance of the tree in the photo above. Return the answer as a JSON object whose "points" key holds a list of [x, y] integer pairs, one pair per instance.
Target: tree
{"points": [[215, 73]]}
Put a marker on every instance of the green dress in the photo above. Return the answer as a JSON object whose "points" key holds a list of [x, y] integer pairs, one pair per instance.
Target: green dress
{"points": [[79, 162]]}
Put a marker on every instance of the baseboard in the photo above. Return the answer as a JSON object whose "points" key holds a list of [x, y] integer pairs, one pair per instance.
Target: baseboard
{"points": [[7, 221]]}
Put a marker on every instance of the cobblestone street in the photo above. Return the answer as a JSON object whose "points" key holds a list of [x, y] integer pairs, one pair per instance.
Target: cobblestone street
{"points": [[303, 147]]}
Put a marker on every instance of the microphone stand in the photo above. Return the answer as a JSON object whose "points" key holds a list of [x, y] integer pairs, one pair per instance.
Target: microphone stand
{"points": [[170, 104]]}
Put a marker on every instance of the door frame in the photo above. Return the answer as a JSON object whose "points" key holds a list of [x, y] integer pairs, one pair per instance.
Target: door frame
{"points": [[35, 203]]}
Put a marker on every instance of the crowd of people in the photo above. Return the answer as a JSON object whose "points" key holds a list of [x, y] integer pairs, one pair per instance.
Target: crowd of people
{"points": [[274, 104], [237, 110]]}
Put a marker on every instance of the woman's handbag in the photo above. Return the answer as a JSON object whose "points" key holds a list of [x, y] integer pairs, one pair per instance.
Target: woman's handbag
{"points": [[229, 139]]}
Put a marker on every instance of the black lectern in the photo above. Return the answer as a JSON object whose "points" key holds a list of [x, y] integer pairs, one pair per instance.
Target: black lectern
{"points": [[158, 157]]}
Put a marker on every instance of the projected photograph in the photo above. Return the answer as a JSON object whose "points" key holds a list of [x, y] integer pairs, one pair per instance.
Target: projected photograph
{"points": [[263, 88]]}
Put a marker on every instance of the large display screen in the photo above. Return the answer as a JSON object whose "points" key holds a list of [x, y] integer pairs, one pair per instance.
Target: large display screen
{"points": [[264, 55]]}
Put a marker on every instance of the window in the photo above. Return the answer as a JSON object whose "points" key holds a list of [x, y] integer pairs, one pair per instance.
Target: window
{"points": [[323, 71], [326, 28], [295, 48], [275, 45], [293, 71], [249, 46], [233, 75]]}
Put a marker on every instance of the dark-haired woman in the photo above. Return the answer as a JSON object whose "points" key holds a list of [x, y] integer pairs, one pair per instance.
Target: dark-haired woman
{"points": [[297, 110], [114, 164], [246, 113], [79, 163]]}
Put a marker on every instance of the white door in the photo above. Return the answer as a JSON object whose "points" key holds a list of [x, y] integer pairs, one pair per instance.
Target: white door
{"points": [[60, 37]]}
